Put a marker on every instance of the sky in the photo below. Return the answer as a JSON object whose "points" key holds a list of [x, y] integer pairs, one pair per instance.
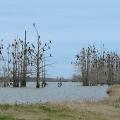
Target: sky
{"points": [[70, 24]]}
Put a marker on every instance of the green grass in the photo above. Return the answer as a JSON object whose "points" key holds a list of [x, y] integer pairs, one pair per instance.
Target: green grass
{"points": [[51, 112], [3, 117]]}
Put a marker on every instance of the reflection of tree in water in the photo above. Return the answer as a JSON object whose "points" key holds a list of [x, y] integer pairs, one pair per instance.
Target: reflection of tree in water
{"points": [[60, 82]]}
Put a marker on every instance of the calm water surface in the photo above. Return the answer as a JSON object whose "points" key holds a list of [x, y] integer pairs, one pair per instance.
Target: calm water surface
{"points": [[69, 91]]}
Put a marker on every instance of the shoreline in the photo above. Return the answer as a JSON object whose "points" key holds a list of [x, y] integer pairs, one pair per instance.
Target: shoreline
{"points": [[102, 110]]}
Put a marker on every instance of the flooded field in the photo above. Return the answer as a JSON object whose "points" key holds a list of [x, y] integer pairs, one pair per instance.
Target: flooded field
{"points": [[69, 91]]}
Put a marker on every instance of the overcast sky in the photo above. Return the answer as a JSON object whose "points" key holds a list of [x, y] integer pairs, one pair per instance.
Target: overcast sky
{"points": [[70, 24]]}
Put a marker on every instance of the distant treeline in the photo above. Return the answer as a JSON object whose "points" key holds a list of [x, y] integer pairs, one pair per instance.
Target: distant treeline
{"points": [[33, 79], [97, 67]]}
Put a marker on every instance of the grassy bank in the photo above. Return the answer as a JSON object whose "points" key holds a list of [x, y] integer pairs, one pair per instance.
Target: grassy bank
{"points": [[105, 110]]}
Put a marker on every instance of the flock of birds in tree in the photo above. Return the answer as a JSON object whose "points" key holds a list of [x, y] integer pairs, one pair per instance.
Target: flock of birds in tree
{"points": [[93, 66], [25, 59], [97, 67]]}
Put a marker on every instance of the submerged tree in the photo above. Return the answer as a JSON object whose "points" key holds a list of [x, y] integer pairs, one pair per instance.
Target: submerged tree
{"points": [[38, 58], [22, 60], [3, 65], [15, 63], [98, 67], [8, 64]]}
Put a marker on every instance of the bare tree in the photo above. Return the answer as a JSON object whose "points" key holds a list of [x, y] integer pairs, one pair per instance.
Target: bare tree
{"points": [[38, 59], [98, 67]]}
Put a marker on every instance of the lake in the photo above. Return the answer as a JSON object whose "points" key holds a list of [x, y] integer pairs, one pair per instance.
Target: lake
{"points": [[69, 91]]}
